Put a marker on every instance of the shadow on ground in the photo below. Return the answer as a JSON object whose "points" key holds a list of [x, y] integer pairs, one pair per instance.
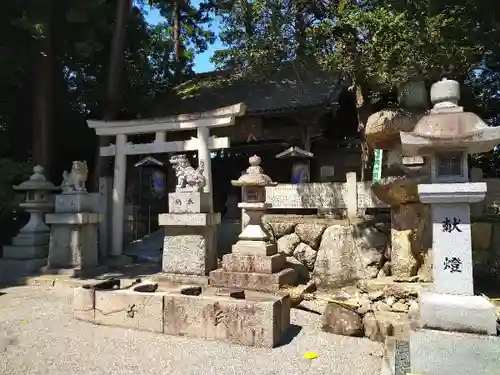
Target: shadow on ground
{"points": [[288, 337]]}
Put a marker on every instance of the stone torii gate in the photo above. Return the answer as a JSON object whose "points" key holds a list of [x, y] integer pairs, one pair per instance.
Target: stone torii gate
{"points": [[201, 121]]}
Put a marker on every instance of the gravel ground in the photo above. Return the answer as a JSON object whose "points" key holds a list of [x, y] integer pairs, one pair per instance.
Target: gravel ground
{"points": [[39, 336]]}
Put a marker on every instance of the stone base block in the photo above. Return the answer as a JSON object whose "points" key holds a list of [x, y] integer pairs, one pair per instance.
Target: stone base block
{"points": [[174, 278], [469, 314], [189, 202], [253, 281], [74, 271], [443, 353], [259, 320], [190, 250], [13, 268], [81, 218], [77, 202], [73, 246], [129, 309], [191, 220], [26, 252], [31, 239], [253, 263], [84, 304], [254, 248]]}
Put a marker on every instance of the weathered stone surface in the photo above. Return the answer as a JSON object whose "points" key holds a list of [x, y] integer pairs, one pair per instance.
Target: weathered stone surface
{"points": [[189, 202], [346, 255], [393, 324], [383, 127], [123, 308], [281, 228], [310, 234], [306, 255], [400, 307], [73, 246], [481, 234], [83, 304], [253, 263], [410, 238], [288, 243], [254, 248], [258, 320], [342, 321], [190, 250], [253, 281], [300, 269], [396, 190], [371, 328]]}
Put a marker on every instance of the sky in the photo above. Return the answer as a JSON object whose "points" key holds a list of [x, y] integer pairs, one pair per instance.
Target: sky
{"points": [[202, 61]]}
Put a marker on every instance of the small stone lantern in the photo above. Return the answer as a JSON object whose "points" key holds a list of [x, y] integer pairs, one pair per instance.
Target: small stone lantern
{"points": [[254, 262], [253, 185], [38, 202], [29, 249]]}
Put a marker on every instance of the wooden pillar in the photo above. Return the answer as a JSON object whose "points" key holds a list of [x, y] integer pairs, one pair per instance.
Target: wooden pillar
{"points": [[118, 205]]}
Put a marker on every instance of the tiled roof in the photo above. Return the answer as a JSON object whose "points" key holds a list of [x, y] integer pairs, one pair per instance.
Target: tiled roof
{"points": [[289, 88]]}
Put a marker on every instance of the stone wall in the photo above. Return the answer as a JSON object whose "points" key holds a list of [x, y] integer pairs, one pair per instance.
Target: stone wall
{"points": [[333, 252], [337, 253]]}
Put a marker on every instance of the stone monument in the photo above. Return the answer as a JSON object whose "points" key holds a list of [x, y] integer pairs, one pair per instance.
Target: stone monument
{"points": [[190, 245], [74, 226], [450, 315], [29, 249], [254, 262]]}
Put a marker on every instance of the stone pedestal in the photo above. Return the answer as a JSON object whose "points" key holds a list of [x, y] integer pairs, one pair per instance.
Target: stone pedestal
{"points": [[452, 305], [254, 262], [190, 245], [74, 235]]}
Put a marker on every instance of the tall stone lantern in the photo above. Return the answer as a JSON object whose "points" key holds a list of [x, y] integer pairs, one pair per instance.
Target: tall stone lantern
{"points": [[446, 136], [254, 262]]}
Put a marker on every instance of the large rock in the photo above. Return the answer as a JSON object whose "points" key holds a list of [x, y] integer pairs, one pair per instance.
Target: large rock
{"points": [[383, 127], [280, 228], [396, 190], [393, 324], [306, 255], [310, 234], [371, 328], [348, 253], [410, 238], [288, 243], [342, 321]]}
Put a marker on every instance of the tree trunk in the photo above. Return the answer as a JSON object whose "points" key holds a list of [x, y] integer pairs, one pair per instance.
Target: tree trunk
{"points": [[300, 32], [43, 92], [176, 37], [116, 60]]}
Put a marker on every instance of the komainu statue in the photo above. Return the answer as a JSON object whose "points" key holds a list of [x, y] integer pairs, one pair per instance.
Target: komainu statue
{"points": [[75, 180], [187, 177]]}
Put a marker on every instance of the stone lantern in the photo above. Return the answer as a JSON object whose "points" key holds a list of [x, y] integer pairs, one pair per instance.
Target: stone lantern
{"points": [[29, 249], [254, 262], [253, 187], [445, 137]]}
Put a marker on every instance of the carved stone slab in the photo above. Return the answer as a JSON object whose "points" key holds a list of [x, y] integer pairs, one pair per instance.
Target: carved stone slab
{"points": [[188, 202], [78, 202]]}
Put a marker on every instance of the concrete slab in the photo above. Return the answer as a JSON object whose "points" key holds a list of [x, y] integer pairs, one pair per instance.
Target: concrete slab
{"points": [[443, 353], [84, 304], [469, 314]]}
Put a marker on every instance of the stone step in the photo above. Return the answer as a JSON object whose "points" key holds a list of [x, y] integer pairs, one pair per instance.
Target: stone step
{"points": [[253, 263], [253, 281]]}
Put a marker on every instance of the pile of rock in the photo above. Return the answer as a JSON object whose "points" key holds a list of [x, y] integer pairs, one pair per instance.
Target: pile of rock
{"points": [[375, 314], [334, 253]]}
